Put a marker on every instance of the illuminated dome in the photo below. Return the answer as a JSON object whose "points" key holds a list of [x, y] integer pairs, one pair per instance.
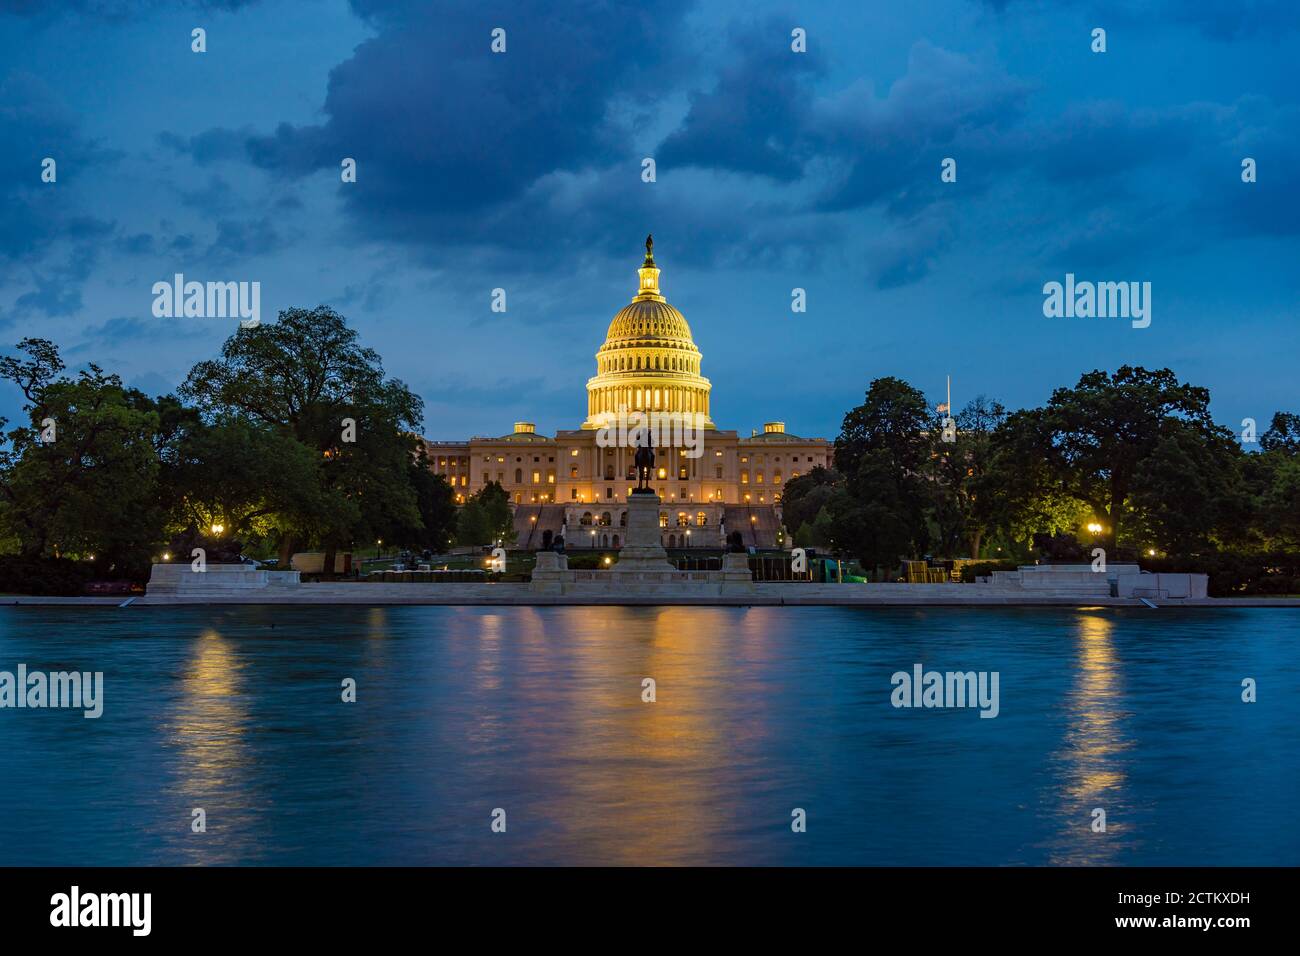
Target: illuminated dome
{"points": [[649, 361]]}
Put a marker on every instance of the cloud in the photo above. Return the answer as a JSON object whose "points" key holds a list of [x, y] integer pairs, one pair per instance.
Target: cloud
{"points": [[757, 117]]}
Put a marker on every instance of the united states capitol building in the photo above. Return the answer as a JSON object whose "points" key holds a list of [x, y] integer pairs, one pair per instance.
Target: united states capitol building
{"points": [[577, 482]]}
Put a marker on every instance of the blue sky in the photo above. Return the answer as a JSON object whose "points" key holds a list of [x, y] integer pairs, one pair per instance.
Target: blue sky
{"points": [[775, 170]]}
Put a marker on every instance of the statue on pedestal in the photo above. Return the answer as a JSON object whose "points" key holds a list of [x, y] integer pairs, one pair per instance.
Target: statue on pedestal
{"points": [[645, 462]]}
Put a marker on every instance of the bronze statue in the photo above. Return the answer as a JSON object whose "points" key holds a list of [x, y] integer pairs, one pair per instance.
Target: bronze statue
{"points": [[650, 246], [645, 462]]}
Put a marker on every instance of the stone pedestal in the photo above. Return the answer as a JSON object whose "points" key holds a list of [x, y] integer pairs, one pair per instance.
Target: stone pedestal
{"points": [[643, 548], [736, 575], [179, 577], [550, 573]]}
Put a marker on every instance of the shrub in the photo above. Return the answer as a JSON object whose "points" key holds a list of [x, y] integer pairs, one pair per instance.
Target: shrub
{"points": [[61, 577]]}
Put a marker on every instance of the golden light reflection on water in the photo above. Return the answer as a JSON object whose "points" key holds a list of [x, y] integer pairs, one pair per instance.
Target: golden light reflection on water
{"points": [[209, 729], [646, 775], [1091, 758]]}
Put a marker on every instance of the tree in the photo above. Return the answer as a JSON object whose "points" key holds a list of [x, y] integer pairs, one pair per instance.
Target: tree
{"points": [[805, 497], [881, 449], [1090, 441], [879, 527], [81, 479], [307, 376], [436, 503], [1188, 490], [1283, 434], [955, 471], [496, 509], [233, 475], [893, 418]]}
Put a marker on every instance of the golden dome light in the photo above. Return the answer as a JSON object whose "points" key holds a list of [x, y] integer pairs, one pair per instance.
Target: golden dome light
{"points": [[649, 362]]}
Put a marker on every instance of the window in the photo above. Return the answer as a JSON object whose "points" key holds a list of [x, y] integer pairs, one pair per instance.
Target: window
{"points": [[609, 492], [719, 472], [550, 476], [682, 520], [573, 471], [605, 519], [519, 476], [663, 519], [537, 477], [758, 477], [573, 452], [586, 518], [776, 477], [681, 473], [609, 472], [744, 477], [663, 473], [573, 494], [701, 519]]}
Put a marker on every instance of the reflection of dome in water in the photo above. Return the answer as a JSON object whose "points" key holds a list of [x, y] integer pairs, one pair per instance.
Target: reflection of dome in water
{"points": [[649, 361]]}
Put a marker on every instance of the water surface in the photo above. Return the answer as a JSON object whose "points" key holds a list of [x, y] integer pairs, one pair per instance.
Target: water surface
{"points": [[539, 711]]}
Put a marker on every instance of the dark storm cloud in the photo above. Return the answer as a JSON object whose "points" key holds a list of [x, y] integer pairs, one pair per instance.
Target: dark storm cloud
{"points": [[35, 124], [438, 124], [756, 118]]}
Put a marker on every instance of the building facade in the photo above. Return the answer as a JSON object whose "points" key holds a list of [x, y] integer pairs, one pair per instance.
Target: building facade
{"points": [[577, 482]]}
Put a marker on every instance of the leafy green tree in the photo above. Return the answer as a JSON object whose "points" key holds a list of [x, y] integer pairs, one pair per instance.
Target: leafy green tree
{"points": [[472, 528], [82, 478], [239, 477], [496, 510], [871, 518], [1091, 441], [893, 418], [806, 496], [881, 450], [1283, 434], [436, 503], [1188, 491], [307, 376], [955, 471]]}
